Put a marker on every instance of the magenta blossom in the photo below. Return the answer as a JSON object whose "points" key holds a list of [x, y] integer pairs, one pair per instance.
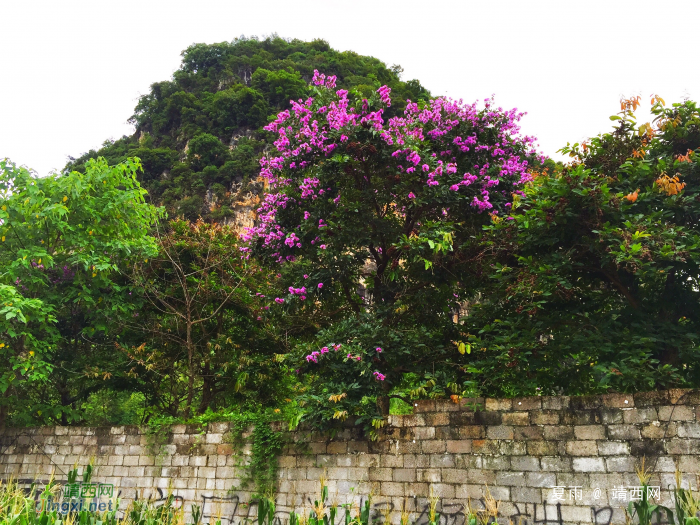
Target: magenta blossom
{"points": [[379, 377], [379, 349], [320, 285]]}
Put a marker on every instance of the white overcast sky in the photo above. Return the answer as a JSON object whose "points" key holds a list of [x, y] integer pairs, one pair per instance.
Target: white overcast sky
{"points": [[74, 69]]}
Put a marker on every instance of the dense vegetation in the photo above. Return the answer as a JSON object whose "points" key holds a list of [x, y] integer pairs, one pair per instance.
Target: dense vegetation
{"points": [[199, 136], [404, 247]]}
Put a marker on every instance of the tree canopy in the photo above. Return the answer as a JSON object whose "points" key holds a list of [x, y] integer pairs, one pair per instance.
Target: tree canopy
{"points": [[199, 135]]}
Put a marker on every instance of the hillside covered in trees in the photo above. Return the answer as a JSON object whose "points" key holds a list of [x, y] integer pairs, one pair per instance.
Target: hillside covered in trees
{"points": [[286, 236], [199, 135]]}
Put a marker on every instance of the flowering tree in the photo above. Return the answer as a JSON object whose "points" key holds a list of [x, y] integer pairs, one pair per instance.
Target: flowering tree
{"points": [[597, 285], [389, 209]]}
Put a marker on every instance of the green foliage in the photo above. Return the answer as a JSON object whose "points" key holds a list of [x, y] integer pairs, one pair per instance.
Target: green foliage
{"points": [[200, 342], [595, 281], [266, 445], [63, 240], [211, 113]]}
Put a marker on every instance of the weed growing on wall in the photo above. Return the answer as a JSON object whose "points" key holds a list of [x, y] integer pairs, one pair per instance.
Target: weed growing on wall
{"points": [[266, 445]]}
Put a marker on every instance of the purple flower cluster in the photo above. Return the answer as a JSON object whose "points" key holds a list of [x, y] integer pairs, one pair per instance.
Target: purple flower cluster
{"points": [[424, 143], [313, 356]]}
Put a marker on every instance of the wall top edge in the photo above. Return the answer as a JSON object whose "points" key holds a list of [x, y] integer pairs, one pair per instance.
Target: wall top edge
{"points": [[427, 406]]}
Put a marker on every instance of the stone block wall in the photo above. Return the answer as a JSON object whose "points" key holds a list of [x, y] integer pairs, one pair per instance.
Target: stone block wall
{"points": [[546, 459]]}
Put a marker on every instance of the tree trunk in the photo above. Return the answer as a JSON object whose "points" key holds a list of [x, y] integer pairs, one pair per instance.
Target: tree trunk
{"points": [[4, 410], [190, 370], [383, 403], [207, 389]]}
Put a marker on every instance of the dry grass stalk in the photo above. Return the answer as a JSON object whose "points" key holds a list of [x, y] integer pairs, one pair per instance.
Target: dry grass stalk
{"points": [[405, 514], [642, 472]]}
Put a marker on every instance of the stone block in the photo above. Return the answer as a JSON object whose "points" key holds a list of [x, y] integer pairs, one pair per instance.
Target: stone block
{"points": [[433, 446], [511, 479], [585, 402], [516, 418], [490, 418], [389, 488], [542, 448], [665, 464], [639, 415], [498, 404], [659, 430], [623, 432], [576, 514], [555, 402], [416, 461], [472, 432], [336, 447], [214, 439], [573, 479], [499, 432], [357, 446], [424, 433], [620, 464], [689, 429], [113, 460], [682, 446], [131, 461], [368, 460], [447, 432], [481, 476], [540, 479], [512, 448], [380, 474], [136, 450], [581, 448], [653, 398], [494, 462], [588, 465], [462, 446], [525, 495], [317, 448], [463, 418], [437, 419], [527, 403], [404, 475], [676, 413], [689, 464], [442, 461], [428, 475], [391, 460], [610, 416], [424, 405], [544, 417], [613, 448], [618, 400], [455, 475], [528, 433], [646, 447], [415, 420], [346, 460], [443, 490], [525, 463], [486, 446], [589, 432], [557, 432], [579, 417]]}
